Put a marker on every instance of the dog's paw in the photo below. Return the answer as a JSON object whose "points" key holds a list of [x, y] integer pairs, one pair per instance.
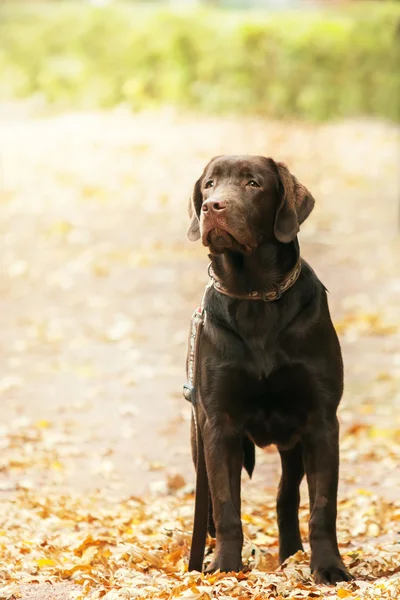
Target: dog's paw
{"points": [[225, 563], [331, 575]]}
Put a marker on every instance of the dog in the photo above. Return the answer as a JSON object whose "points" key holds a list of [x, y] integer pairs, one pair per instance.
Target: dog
{"points": [[268, 365]]}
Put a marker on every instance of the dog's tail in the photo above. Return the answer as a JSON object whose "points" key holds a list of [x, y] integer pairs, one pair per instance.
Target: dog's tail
{"points": [[249, 455]]}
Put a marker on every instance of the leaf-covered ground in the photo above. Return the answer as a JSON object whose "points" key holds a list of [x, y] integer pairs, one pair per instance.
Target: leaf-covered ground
{"points": [[98, 285]]}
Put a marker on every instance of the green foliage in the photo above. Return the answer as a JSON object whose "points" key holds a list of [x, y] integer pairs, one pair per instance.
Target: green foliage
{"points": [[304, 64]]}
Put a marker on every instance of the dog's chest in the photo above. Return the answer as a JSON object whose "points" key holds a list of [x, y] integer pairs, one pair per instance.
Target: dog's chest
{"points": [[258, 326], [276, 411]]}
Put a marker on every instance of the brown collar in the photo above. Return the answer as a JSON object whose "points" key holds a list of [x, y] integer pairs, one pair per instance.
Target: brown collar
{"points": [[270, 296]]}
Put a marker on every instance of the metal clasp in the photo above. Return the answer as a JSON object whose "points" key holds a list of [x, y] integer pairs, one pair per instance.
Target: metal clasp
{"points": [[189, 393], [266, 295]]}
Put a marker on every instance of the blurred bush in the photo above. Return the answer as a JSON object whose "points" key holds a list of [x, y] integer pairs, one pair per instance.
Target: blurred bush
{"points": [[308, 64]]}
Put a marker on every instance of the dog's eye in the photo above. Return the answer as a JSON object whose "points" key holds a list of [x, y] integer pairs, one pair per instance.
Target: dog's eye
{"points": [[252, 183], [209, 184]]}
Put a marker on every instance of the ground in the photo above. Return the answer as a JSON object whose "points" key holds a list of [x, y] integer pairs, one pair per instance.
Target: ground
{"points": [[98, 286]]}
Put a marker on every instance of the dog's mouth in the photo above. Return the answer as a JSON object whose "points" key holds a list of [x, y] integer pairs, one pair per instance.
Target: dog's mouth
{"points": [[219, 240]]}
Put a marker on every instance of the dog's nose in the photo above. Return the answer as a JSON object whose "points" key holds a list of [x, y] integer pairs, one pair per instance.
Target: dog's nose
{"points": [[213, 205]]}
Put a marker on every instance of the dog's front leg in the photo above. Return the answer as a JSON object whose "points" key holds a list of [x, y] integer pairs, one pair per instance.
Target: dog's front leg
{"points": [[321, 455], [224, 456]]}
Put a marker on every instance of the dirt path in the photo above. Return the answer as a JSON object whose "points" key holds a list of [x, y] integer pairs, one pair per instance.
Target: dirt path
{"points": [[98, 285]]}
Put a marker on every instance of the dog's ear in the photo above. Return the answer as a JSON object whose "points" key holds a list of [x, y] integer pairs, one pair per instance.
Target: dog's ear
{"points": [[295, 205], [193, 232]]}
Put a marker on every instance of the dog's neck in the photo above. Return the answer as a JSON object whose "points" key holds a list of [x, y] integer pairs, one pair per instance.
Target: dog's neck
{"points": [[262, 270]]}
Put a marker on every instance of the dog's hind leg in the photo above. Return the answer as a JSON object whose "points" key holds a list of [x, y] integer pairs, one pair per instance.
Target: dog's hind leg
{"points": [[287, 505]]}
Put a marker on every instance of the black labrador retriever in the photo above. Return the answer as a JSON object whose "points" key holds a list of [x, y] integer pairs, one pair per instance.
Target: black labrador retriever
{"points": [[269, 367]]}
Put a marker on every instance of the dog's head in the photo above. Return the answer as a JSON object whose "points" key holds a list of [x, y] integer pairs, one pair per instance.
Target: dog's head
{"points": [[241, 200]]}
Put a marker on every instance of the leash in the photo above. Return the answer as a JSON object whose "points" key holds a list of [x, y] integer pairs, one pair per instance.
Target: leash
{"points": [[191, 393]]}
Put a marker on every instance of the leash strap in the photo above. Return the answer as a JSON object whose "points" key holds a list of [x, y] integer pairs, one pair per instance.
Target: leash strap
{"points": [[200, 523], [192, 394]]}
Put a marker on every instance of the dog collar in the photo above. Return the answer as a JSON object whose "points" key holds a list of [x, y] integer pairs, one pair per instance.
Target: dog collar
{"points": [[265, 296]]}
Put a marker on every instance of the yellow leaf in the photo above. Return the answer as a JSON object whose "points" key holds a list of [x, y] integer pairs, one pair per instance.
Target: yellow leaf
{"points": [[61, 227], [45, 562], [384, 376], [343, 593], [88, 541], [363, 492], [42, 424], [380, 432], [247, 518], [176, 555]]}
